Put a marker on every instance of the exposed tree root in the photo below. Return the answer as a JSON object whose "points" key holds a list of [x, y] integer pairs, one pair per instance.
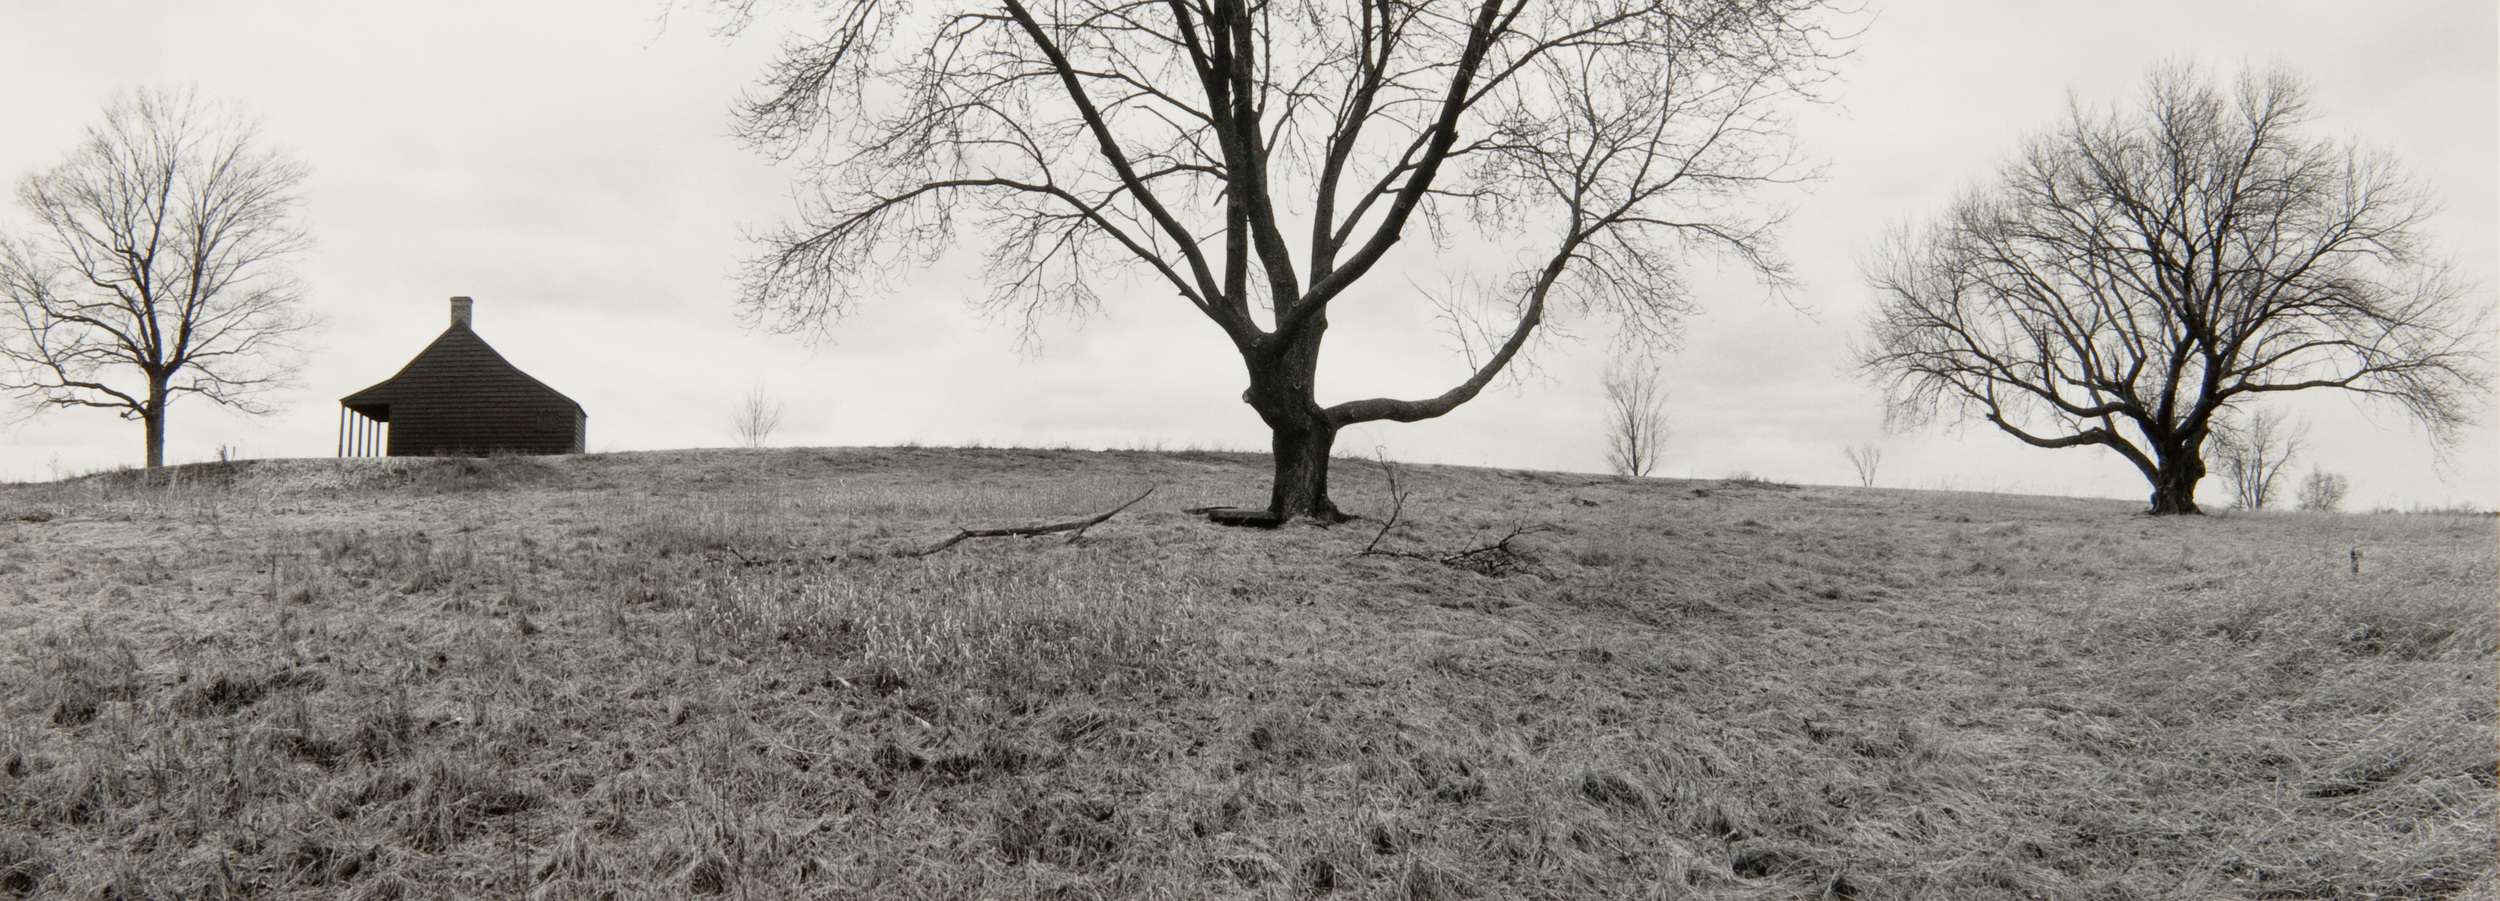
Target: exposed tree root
{"points": [[1239, 516]]}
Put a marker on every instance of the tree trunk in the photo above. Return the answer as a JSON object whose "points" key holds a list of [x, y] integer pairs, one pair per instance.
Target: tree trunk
{"points": [[2174, 482], [154, 417], [1302, 474], [1283, 389]]}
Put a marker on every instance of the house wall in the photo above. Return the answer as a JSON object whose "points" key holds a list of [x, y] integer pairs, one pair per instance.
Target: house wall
{"points": [[476, 425]]}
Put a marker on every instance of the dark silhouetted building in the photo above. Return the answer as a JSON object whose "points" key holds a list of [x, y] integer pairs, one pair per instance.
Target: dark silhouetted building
{"points": [[459, 398]]}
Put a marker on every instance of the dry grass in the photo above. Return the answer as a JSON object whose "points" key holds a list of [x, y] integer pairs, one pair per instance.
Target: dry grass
{"points": [[703, 673]]}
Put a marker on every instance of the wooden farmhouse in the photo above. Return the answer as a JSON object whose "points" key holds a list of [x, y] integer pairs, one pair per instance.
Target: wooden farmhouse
{"points": [[459, 398]]}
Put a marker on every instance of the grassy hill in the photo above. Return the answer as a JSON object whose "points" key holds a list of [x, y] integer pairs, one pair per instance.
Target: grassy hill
{"points": [[710, 672]]}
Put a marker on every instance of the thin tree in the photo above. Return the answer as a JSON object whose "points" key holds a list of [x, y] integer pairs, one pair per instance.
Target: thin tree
{"points": [[1259, 160], [756, 418], [1636, 418], [2324, 492], [1865, 458], [2252, 456], [2136, 273], [155, 267]]}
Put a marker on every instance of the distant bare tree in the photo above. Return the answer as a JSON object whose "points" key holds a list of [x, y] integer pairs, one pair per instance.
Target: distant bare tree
{"points": [[1865, 458], [1636, 418], [756, 418], [2134, 274], [2323, 492], [158, 255], [2252, 455], [1257, 161]]}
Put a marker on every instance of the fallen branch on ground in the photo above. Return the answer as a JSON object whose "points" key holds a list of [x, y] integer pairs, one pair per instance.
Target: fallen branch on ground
{"points": [[1078, 526], [744, 560], [1496, 559]]}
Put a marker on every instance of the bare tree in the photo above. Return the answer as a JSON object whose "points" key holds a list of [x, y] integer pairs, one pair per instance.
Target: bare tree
{"points": [[155, 267], [1259, 159], [2136, 273], [2324, 492], [1636, 418], [756, 418], [2252, 455], [1865, 458]]}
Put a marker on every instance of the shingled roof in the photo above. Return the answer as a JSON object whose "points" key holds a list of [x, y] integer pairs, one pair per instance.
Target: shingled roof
{"points": [[461, 398]]}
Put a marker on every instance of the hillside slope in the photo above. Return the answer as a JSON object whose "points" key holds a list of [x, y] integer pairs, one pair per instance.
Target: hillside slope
{"points": [[709, 672]]}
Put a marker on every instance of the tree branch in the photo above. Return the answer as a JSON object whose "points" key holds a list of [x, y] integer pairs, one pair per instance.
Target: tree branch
{"points": [[1077, 526]]}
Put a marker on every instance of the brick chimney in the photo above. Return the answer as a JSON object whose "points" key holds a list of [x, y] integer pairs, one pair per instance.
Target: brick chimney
{"points": [[460, 311]]}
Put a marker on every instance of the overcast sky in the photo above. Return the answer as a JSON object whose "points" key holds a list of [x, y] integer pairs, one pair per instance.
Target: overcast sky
{"points": [[567, 164]]}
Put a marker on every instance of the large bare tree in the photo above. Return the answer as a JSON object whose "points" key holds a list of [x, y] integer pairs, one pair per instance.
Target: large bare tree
{"points": [[1259, 159], [154, 267], [2135, 273]]}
